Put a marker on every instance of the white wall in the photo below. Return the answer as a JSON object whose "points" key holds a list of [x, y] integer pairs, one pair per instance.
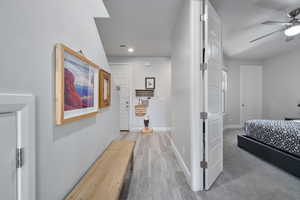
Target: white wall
{"points": [[186, 101], [181, 93], [159, 109], [29, 31], [280, 87], [281, 83], [232, 117]]}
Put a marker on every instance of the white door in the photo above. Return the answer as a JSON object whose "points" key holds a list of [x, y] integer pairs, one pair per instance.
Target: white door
{"points": [[250, 93], [121, 78], [213, 97], [8, 146]]}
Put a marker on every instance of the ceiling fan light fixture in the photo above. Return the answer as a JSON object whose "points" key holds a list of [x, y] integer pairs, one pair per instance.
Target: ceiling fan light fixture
{"points": [[292, 31]]}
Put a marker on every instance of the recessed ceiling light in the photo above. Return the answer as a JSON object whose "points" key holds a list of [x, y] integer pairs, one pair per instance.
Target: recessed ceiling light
{"points": [[131, 50], [292, 31]]}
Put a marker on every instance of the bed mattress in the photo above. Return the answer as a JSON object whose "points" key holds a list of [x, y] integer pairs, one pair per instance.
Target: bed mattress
{"points": [[284, 135]]}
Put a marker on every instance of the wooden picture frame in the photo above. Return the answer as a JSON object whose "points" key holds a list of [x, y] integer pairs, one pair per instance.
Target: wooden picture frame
{"points": [[77, 85], [150, 83], [104, 89]]}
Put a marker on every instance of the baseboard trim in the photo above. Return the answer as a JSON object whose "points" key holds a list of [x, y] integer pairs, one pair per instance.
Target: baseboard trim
{"points": [[232, 126], [182, 164], [156, 129]]}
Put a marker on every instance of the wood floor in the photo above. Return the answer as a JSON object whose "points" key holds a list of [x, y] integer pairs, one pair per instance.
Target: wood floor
{"points": [[157, 175]]}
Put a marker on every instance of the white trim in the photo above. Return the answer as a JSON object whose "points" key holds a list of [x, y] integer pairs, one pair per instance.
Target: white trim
{"points": [[196, 102], [24, 106], [182, 164], [232, 126]]}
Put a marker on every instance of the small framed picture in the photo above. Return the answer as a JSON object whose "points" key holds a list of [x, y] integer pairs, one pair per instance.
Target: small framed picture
{"points": [[105, 89], [76, 86], [150, 83]]}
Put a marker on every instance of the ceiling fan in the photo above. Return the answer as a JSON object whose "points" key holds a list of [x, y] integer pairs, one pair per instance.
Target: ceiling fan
{"points": [[290, 28]]}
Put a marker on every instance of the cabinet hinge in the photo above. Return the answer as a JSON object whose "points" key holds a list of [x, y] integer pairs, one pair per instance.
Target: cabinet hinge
{"points": [[203, 164], [20, 158], [203, 66], [203, 115]]}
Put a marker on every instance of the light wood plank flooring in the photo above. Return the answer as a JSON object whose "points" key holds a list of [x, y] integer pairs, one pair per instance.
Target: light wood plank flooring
{"points": [[157, 175]]}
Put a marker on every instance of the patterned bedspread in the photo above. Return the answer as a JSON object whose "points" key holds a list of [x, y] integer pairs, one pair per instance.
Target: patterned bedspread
{"points": [[284, 135]]}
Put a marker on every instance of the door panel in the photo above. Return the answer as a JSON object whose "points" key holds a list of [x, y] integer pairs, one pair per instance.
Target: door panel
{"points": [[120, 76], [213, 97], [8, 145], [251, 92]]}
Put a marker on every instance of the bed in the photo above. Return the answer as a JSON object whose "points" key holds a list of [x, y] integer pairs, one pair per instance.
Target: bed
{"points": [[275, 141]]}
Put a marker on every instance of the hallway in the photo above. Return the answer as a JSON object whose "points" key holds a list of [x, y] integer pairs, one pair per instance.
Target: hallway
{"points": [[157, 175]]}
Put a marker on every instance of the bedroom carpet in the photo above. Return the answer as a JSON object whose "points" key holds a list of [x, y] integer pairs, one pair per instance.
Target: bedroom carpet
{"points": [[157, 175]]}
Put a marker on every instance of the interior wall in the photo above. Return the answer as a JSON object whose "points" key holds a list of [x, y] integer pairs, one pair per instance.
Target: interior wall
{"points": [[181, 93], [30, 30], [232, 116], [186, 91], [159, 109], [281, 86]]}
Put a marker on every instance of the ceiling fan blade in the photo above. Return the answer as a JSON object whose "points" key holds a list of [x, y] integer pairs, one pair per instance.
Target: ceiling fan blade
{"points": [[296, 37], [277, 23], [267, 35], [288, 39]]}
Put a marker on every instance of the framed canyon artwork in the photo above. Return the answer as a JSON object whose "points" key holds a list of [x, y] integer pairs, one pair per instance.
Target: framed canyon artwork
{"points": [[105, 89], [77, 86]]}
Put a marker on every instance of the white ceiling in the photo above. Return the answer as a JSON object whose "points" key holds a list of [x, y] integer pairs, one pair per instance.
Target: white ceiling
{"points": [[145, 25], [241, 23]]}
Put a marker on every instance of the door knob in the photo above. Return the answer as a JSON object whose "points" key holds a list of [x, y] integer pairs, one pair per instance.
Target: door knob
{"points": [[243, 105]]}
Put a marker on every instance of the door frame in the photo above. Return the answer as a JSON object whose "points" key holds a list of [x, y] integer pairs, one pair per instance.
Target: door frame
{"points": [[196, 91], [24, 107], [240, 104], [131, 111]]}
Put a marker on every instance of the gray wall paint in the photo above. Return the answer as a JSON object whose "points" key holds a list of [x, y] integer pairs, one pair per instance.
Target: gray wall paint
{"points": [[281, 81], [181, 78], [232, 116], [29, 32], [159, 109]]}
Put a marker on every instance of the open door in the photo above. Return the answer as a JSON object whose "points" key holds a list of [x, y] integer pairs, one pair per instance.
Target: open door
{"points": [[212, 108]]}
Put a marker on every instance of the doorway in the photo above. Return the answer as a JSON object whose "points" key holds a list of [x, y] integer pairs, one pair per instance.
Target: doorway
{"points": [[250, 93], [121, 78], [17, 122], [8, 146]]}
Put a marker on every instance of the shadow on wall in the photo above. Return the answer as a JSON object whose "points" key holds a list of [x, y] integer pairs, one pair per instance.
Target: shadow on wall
{"points": [[73, 127]]}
